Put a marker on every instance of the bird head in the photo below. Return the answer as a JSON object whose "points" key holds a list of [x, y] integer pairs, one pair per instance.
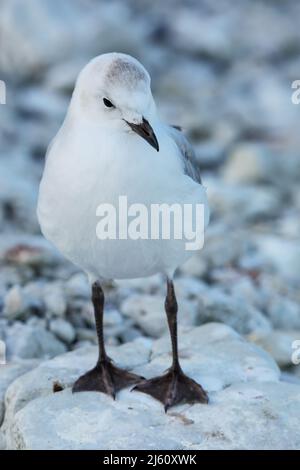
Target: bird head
{"points": [[114, 90]]}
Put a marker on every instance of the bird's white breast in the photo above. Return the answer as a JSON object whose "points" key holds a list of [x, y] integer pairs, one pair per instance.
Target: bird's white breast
{"points": [[87, 167]]}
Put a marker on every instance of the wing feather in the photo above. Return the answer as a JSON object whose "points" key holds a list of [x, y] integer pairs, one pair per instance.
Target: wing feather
{"points": [[190, 165]]}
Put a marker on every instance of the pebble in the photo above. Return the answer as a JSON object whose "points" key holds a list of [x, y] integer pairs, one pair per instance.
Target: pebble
{"points": [[279, 344], [55, 299], [29, 342], [148, 313], [63, 330]]}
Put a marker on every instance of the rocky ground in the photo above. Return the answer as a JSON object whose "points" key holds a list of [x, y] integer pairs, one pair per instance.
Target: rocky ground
{"points": [[225, 75], [249, 408]]}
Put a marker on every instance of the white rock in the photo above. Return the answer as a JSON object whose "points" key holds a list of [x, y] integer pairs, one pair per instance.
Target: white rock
{"points": [[148, 313], [279, 344], [28, 342], [15, 303], [248, 163], [63, 330], [195, 266], [217, 251], [78, 286], [20, 302], [202, 351], [8, 373], [147, 285], [114, 323], [86, 334], [31, 250], [283, 255], [55, 299], [142, 284], [189, 288], [130, 334], [243, 202], [66, 421], [233, 311], [209, 154], [243, 288], [283, 312], [243, 386], [66, 368]]}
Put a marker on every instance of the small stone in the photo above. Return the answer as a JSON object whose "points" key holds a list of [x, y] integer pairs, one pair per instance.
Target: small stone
{"points": [[209, 154], [218, 252], [130, 334], [8, 373], [189, 288], [37, 322], [248, 163], [28, 250], [283, 312], [242, 203], [82, 344], [63, 330], [55, 300], [279, 344], [113, 323], [86, 334], [15, 303], [28, 342], [194, 266], [146, 285], [78, 286], [283, 255], [149, 315], [233, 311]]}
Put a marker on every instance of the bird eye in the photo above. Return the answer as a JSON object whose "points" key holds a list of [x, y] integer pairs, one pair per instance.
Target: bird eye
{"points": [[108, 103]]}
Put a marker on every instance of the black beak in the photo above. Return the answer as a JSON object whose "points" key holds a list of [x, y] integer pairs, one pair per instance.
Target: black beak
{"points": [[146, 132]]}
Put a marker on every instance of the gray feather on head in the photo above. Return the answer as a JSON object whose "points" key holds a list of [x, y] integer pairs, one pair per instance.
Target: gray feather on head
{"points": [[122, 71]]}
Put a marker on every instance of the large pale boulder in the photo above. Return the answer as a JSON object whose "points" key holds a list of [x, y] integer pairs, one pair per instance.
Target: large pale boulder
{"points": [[248, 405]]}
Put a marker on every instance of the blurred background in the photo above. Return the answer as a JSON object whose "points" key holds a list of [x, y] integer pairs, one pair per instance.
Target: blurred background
{"points": [[223, 71]]}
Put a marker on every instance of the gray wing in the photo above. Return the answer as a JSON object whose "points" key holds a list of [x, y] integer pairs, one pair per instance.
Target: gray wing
{"points": [[187, 153]]}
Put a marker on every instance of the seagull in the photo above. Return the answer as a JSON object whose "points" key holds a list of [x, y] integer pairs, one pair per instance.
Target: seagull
{"points": [[111, 143]]}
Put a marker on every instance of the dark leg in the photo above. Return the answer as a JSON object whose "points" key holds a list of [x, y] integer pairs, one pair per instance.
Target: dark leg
{"points": [[173, 387], [105, 377]]}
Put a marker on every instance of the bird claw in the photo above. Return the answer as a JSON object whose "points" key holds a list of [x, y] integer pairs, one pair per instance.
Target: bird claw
{"points": [[105, 378], [173, 388]]}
